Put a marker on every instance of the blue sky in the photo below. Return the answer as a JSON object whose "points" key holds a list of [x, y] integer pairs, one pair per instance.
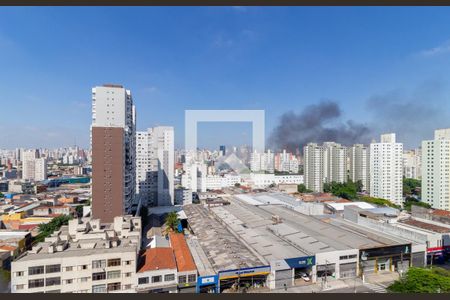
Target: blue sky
{"points": [[272, 58]]}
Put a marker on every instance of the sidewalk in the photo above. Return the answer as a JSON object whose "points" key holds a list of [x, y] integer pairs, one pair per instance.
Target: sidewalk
{"points": [[312, 288]]}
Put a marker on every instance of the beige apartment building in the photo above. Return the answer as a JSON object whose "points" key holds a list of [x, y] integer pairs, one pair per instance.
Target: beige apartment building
{"points": [[82, 257]]}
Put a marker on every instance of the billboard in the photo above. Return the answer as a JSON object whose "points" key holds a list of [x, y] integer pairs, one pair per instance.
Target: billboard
{"points": [[301, 262], [263, 270]]}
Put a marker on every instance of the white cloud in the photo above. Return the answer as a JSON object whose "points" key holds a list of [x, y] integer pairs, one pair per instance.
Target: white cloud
{"points": [[442, 49]]}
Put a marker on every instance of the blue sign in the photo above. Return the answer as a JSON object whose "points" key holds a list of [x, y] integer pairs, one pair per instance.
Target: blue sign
{"points": [[207, 280], [301, 262], [245, 272]]}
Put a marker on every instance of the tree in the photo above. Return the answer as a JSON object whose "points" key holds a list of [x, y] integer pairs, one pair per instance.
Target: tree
{"points": [[301, 188], [378, 201], [1, 195], [422, 280], [237, 184], [47, 229], [172, 221], [410, 201], [410, 186], [79, 210], [347, 190], [359, 186]]}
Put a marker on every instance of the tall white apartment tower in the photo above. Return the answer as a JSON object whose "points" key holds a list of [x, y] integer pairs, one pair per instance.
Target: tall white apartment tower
{"points": [[412, 162], [313, 167], [435, 170], [386, 169], [28, 164], [334, 162], [40, 169], [155, 166], [33, 167], [359, 162], [113, 133]]}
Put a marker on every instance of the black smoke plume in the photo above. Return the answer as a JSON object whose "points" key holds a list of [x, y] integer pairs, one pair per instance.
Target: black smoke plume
{"points": [[316, 124]]}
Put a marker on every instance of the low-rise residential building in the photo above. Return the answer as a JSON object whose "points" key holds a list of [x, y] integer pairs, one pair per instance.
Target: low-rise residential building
{"points": [[15, 241], [82, 257], [157, 272], [186, 269], [167, 268], [45, 210]]}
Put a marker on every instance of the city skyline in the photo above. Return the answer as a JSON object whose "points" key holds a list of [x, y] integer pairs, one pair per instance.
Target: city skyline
{"points": [[276, 59]]}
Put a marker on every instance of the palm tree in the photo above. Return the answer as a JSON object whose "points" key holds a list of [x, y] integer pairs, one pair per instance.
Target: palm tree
{"points": [[172, 221]]}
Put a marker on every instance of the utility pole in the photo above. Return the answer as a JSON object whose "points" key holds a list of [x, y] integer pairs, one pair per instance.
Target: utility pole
{"points": [[239, 276]]}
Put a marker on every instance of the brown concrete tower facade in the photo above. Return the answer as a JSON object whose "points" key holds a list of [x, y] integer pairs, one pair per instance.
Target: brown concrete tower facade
{"points": [[113, 152]]}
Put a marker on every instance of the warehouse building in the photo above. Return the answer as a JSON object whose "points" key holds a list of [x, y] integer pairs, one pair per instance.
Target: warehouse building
{"points": [[336, 249]]}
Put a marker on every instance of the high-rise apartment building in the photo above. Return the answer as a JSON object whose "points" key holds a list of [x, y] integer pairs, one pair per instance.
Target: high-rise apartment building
{"points": [[33, 167], [28, 164], [155, 166], [334, 162], [262, 162], [386, 169], [412, 161], [359, 162], [222, 150], [324, 164], [40, 169], [313, 167], [113, 152], [436, 170]]}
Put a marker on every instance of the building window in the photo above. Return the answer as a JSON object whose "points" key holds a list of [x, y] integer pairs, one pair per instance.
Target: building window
{"points": [[128, 274], [68, 269], [53, 292], [113, 274], [53, 281], [143, 280], [84, 267], [100, 288], [69, 281], [156, 279], [128, 262], [36, 270], [19, 287], [114, 262], [19, 274], [114, 286], [192, 278], [84, 279], [127, 286], [182, 279], [35, 283], [169, 277], [99, 276], [52, 268], [99, 264]]}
